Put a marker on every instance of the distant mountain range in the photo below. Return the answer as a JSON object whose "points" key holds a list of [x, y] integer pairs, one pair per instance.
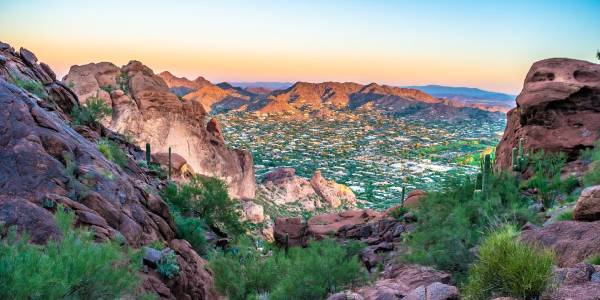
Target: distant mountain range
{"points": [[469, 96], [324, 99]]}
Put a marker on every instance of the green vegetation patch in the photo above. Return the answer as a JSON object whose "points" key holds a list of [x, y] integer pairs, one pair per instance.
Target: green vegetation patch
{"points": [[508, 267], [74, 268]]}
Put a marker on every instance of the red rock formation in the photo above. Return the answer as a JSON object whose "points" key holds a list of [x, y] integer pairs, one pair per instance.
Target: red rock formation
{"points": [[588, 205], [333, 193], [145, 108], [572, 241], [44, 163], [414, 198], [557, 110]]}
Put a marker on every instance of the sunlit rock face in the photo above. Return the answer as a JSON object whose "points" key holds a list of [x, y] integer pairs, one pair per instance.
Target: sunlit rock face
{"points": [[557, 110], [145, 109]]}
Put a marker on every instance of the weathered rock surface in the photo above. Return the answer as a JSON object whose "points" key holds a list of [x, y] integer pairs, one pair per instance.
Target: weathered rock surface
{"points": [[406, 280], [557, 110], [588, 205], [283, 186], [572, 241], [24, 65], [145, 108], [253, 212], [575, 283], [414, 198]]}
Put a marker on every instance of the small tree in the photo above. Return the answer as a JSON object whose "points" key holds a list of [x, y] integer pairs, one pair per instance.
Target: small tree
{"points": [[598, 54], [91, 112]]}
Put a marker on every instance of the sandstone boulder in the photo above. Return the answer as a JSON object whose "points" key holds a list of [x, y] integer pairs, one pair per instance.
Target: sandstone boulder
{"points": [[253, 212], [414, 198], [333, 193], [588, 205], [557, 110], [290, 230], [399, 281], [572, 241], [282, 186]]}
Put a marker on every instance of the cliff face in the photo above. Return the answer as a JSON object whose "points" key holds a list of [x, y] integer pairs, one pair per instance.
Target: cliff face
{"points": [[145, 108], [557, 110]]}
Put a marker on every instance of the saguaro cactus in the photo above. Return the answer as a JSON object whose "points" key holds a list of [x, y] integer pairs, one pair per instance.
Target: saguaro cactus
{"points": [[169, 174], [287, 243], [519, 158], [148, 154], [486, 175], [402, 199]]}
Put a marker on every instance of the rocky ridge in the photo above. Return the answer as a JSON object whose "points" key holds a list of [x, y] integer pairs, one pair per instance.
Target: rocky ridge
{"points": [[145, 109]]}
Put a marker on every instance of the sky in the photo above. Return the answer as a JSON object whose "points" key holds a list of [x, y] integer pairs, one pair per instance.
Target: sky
{"points": [[485, 44]]}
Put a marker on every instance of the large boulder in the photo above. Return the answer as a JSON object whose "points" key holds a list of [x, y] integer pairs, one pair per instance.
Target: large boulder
{"points": [[333, 193], [414, 198], [557, 110], [399, 281], [282, 186], [588, 205], [146, 109], [572, 241]]}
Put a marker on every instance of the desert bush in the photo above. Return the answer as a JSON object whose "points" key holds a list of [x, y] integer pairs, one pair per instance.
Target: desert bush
{"points": [[33, 87], [208, 199], [398, 212], [451, 222], [167, 266], [73, 268], [112, 152], [594, 259], [192, 230], [546, 179], [592, 176], [314, 272], [509, 267], [565, 215], [91, 112]]}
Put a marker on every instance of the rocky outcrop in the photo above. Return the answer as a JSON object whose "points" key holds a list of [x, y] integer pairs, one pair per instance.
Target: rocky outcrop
{"points": [[572, 241], [282, 186], [406, 281], [333, 193], [414, 197], [557, 110], [582, 281], [381, 234], [45, 163], [587, 207], [145, 108], [23, 65]]}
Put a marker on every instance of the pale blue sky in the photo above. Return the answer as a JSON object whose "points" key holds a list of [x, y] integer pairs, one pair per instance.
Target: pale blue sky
{"points": [[471, 43]]}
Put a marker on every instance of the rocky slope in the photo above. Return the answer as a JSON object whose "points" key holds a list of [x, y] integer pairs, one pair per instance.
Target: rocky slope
{"points": [[45, 163], [557, 110], [145, 109]]}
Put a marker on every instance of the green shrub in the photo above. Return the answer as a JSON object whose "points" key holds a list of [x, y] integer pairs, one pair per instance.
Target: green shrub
{"points": [[451, 222], [206, 198], [191, 229], [112, 152], [546, 179], [314, 272], [592, 176], [33, 87], [398, 212], [565, 215], [91, 112], [107, 88], [167, 266], [508, 267], [594, 259], [74, 268]]}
